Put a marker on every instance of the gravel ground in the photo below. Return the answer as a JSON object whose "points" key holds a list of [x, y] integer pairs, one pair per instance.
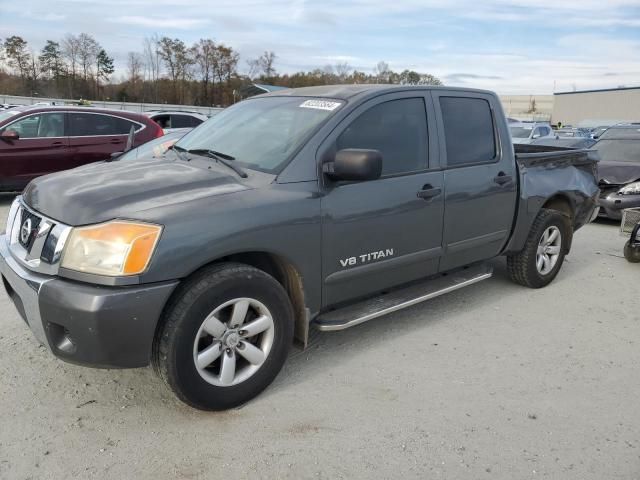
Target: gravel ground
{"points": [[493, 381]]}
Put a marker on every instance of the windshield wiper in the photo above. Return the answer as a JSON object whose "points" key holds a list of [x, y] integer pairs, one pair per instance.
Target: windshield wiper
{"points": [[178, 151], [223, 158]]}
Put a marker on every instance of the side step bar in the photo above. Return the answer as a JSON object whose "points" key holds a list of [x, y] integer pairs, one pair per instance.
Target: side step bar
{"points": [[398, 299]]}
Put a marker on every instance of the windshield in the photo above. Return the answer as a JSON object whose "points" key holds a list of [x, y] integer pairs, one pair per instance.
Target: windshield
{"points": [[619, 150], [261, 133], [520, 132]]}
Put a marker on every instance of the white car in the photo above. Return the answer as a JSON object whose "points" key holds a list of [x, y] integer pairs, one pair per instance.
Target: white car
{"points": [[527, 132], [171, 120]]}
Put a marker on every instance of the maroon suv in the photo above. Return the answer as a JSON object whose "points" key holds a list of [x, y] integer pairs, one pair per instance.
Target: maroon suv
{"points": [[35, 141]]}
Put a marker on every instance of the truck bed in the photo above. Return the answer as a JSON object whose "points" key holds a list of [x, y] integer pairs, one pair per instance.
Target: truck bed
{"points": [[533, 155]]}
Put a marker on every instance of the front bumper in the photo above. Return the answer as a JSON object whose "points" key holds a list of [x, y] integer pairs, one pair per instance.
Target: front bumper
{"points": [[613, 204], [108, 327]]}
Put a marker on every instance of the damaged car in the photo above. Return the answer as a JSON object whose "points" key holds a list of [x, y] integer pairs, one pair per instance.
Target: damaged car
{"points": [[619, 170]]}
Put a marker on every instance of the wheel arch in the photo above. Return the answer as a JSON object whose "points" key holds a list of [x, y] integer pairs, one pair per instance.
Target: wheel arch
{"points": [[562, 203], [285, 272]]}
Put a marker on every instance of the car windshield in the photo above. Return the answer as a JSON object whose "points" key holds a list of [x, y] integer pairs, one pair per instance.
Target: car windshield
{"points": [[520, 132], [261, 133], [619, 150]]}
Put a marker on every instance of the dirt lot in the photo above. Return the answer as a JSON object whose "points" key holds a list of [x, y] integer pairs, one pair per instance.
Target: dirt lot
{"points": [[494, 381]]}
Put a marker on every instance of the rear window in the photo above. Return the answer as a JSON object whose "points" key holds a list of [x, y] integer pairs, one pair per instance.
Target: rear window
{"points": [[468, 130], [93, 124], [520, 132]]}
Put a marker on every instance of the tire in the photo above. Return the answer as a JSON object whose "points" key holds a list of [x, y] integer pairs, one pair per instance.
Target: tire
{"points": [[524, 267], [205, 307], [632, 254]]}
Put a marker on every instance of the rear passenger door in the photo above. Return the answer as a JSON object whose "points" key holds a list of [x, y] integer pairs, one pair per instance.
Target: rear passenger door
{"points": [[479, 177], [386, 232], [95, 136]]}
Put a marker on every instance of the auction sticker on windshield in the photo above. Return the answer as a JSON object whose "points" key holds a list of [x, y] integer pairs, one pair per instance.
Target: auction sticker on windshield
{"points": [[320, 104]]}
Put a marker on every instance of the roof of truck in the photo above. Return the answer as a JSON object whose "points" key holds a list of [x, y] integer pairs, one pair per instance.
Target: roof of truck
{"points": [[345, 92]]}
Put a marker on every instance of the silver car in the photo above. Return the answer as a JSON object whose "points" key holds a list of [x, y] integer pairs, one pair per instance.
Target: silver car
{"points": [[526, 132]]}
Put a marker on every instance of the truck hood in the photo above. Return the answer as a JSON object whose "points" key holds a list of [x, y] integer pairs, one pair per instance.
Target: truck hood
{"points": [[106, 190], [618, 173]]}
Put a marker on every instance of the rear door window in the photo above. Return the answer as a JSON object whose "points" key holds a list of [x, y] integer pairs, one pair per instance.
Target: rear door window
{"points": [[468, 130], [184, 121], [398, 129], [95, 124]]}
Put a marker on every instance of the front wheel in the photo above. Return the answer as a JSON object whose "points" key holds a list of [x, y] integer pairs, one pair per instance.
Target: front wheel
{"points": [[541, 258], [225, 336]]}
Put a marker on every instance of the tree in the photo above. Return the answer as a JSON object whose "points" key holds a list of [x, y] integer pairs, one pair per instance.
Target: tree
{"points": [[382, 72], [153, 62], [70, 48], [266, 61], [134, 70], [88, 49], [177, 59], [18, 56], [104, 67], [205, 55], [51, 63], [342, 70]]}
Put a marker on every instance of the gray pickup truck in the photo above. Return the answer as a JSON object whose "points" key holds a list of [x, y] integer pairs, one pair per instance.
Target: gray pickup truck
{"points": [[324, 207]]}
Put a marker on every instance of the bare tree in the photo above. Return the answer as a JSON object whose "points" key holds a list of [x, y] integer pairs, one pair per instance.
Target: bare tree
{"points": [[178, 61], [88, 49], [153, 62], [342, 70], [254, 68], [205, 56], [70, 47], [266, 64], [381, 72]]}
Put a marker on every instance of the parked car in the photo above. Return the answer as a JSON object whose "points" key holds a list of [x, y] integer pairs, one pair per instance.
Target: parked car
{"points": [[170, 120], [322, 206], [571, 132], [565, 142], [526, 132], [41, 140], [619, 169]]}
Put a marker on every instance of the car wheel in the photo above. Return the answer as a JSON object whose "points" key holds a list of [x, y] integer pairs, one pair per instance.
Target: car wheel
{"points": [[541, 258], [632, 254], [225, 336]]}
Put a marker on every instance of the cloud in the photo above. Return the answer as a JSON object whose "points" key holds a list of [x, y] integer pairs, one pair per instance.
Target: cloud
{"points": [[160, 22]]}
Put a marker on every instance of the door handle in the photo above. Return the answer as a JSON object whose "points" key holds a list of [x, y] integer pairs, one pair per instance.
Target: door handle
{"points": [[116, 141], [57, 144], [502, 178], [428, 192]]}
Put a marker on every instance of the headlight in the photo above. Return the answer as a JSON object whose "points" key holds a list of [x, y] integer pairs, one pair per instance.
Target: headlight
{"points": [[113, 248], [631, 189]]}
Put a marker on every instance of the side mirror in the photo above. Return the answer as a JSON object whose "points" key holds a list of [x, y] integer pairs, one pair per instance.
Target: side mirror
{"points": [[355, 164], [10, 135]]}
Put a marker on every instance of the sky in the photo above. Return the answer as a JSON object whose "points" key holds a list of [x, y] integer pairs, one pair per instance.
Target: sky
{"points": [[510, 46]]}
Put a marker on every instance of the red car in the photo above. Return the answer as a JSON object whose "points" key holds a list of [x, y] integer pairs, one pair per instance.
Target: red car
{"points": [[35, 141]]}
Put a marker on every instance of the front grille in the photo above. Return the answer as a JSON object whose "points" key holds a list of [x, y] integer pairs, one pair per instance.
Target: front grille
{"points": [[28, 228], [34, 240]]}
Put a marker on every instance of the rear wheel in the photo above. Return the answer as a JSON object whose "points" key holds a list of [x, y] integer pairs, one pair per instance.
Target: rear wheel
{"points": [[541, 258], [225, 338]]}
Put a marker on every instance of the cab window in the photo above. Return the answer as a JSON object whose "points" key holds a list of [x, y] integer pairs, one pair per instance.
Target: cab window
{"points": [[398, 129]]}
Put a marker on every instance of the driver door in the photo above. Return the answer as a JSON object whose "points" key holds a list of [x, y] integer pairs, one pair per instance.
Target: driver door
{"points": [[382, 233]]}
